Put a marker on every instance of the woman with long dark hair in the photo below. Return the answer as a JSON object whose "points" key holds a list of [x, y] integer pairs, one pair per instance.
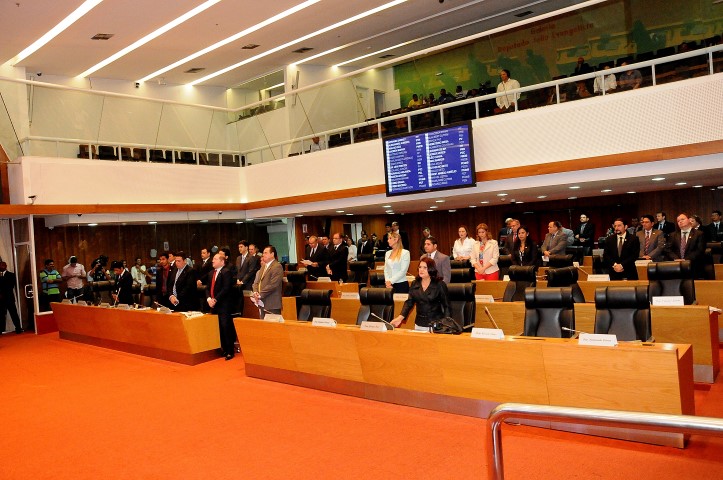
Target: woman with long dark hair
{"points": [[429, 293], [524, 251]]}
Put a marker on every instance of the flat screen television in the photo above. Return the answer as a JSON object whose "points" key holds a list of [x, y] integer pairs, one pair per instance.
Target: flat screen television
{"points": [[439, 158]]}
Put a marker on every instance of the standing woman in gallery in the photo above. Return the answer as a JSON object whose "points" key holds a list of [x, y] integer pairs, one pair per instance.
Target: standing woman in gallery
{"points": [[485, 254], [396, 264]]}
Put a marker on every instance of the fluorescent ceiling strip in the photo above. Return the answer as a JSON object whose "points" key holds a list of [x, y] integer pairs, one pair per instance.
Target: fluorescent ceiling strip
{"points": [[230, 39], [155, 34], [87, 6], [300, 39], [401, 27]]}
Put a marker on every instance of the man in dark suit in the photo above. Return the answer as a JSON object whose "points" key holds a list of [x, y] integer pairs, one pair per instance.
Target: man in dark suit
{"points": [[365, 246], [508, 241], [219, 298], [585, 234], [7, 298], [444, 267], [426, 233], [714, 231], [652, 241], [338, 254], [384, 242], [123, 284], [204, 267], [268, 283], [316, 258], [181, 286], [687, 244], [246, 266], [402, 235], [663, 224], [621, 251], [162, 273]]}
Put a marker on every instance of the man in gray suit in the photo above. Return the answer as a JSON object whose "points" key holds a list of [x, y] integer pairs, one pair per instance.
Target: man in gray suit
{"points": [[652, 241], [555, 241], [268, 283], [444, 267]]}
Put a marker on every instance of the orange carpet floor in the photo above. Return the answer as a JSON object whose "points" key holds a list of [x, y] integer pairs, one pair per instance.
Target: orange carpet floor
{"points": [[74, 411]]}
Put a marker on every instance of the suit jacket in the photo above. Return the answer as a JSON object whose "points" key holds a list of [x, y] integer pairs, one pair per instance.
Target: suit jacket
{"points": [[367, 249], [694, 250], [530, 256], [247, 271], [321, 256], [186, 291], [714, 234], [668, 227], [556, 245], [7, 285], [203, 270], [269, 285], [630, 252], [588, 233], [222, 290], [124, 288], [337, 262], [444, 266], [656, 248]]}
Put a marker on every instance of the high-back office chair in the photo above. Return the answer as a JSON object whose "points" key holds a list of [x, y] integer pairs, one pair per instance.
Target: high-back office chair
{"points": [[623, 312], [296, 283], [460, 264], [461, 302], [366, 257], [359, 272], [313, 303], [520, 278], [713, 255], [672, 279], [547, 310], [559, 261], [566, 277], [461, 275], [504, 262], [379, 301], [376, 279], [576, 251]]}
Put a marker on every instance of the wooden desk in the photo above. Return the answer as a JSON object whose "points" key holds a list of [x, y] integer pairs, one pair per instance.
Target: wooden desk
{"points": [[509, 316], [334, 287], [171, 336], [718, 269], [710, 292], [463, 375]]}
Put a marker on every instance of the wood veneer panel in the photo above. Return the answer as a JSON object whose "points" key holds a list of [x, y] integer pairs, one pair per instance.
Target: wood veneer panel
{"points": [[496, 288], [265, 343], [329, 352], [509, 316]]}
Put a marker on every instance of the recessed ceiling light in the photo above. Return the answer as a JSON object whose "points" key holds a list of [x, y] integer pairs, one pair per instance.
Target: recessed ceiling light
{"points": [[389, 211], [574, 187], [681, 183], [92, 224], [697, 186], [349, 214], [439, 201], [386, 206], [572, 198], [542, 196], [658, 179], [484, 202], [631, 192], [204, 221], [152, 223], [340, 211], [472, 206], [452, 211], [519, 201], [430, 210], [434, 206], [239, 222], [502, 194], [606, 190], [249, 219]]}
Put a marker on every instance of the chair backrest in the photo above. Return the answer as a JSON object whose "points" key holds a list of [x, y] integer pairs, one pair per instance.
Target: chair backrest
{"points": [[566, 277], [359, 272], [623, 312], [314, 303], [520, 278], [461, 302], [366, 257], [672, 279], [376, 279], [379, 301], [504, 262], [557, 261], [296, 283], [460, 264], [547, 310], [461, 275]]}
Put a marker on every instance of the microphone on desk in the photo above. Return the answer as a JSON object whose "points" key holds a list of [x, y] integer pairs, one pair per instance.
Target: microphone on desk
{"points": [[314, 276], [574, 331], [117, 296], [489, 315], [389, 325]]}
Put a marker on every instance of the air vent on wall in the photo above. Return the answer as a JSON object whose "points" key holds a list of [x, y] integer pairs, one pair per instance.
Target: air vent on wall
{"points": [[195, 70], [303, 50], [523, 14], [102, 36], [250, 46]]}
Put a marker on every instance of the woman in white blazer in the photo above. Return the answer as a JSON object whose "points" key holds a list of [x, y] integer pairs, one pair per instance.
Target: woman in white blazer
{"points": [[485, 254]]}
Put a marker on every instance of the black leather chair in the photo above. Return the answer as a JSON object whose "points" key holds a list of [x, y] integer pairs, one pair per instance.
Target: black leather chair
{"points": [[461, 275], [504, 262], [379, 301], [547, 310], [520, 278], [461, 302], [366, 257], [566, 277], [376, 279], [671, 279], [623, 312], [359, 273], [460, 264], [576, 251], [559, 261], [296, 282], [313, 303], [713, 255]]}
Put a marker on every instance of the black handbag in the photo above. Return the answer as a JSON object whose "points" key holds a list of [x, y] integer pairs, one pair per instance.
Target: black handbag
{"points": [[446, 326]]}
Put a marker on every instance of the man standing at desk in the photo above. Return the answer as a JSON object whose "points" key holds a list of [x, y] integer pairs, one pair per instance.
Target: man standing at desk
{"points": [[269, 278], [444, 266], [316, 258], [182, 286], [7, 297], [621, 251], [338, 253], [74, 274], [219, 298], [124, 284]]}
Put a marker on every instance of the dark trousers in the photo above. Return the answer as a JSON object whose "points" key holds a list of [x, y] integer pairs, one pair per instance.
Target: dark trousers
{"points": [[227, 331], [6, 307], [401, 287]]}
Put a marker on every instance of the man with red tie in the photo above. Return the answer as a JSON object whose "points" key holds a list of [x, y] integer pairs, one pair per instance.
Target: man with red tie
{"points": [[219, 297]]}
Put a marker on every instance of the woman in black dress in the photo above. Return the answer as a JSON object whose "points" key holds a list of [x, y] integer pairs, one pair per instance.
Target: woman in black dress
{"points": [[429, 293], [524, 251]]}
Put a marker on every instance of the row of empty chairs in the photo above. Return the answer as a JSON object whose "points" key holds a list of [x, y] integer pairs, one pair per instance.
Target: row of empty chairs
{"points": [[134, 154]]}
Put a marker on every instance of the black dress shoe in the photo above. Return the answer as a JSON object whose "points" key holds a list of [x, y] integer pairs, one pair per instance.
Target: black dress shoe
{"points": [[229, 356]]}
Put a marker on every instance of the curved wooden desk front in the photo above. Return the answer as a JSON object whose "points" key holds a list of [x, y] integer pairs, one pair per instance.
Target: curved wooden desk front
{"points": [[463, 375]]}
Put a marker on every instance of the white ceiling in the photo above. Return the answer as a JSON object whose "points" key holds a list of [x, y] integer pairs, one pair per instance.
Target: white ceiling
{"points": [[73, 52]]}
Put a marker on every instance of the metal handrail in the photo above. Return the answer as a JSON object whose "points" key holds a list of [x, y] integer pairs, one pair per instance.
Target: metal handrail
{"points": [[686, 424]]}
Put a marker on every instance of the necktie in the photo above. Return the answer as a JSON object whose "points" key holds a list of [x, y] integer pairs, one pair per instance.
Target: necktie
{"points": [[683, 243], [620, 246], [647, 242], [312, 252], [213, 283], [243, 259]]}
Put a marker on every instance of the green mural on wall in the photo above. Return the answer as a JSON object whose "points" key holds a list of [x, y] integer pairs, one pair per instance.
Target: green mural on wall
{"points": [[541, 51]]}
